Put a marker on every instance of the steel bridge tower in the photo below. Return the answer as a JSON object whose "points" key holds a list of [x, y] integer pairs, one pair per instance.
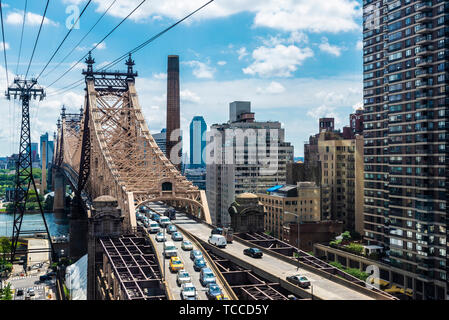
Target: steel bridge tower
{"points": [[25, 90]]}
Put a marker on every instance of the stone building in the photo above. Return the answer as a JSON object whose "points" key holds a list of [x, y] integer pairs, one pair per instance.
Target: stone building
{"points": [[247, 214]]}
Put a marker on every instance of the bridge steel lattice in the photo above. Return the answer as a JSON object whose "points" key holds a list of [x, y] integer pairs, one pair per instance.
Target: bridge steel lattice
{"points": [[110, 151]]}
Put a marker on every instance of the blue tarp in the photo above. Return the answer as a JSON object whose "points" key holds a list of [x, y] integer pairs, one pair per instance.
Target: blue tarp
{"points": [[272, 189]]}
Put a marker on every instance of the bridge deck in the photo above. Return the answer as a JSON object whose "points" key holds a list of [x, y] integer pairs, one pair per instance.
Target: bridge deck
{"points": [[322, 287]]}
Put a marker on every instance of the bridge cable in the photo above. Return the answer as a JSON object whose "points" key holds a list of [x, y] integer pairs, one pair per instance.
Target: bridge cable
{"points": [[37, 38], [97, 44], [79, 42], [144, 44], [4, 46], [139, 47], [21, 36], [63, 40]]}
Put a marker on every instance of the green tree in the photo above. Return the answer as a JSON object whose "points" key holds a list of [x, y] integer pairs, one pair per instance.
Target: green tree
{"points": [[6, 292]]}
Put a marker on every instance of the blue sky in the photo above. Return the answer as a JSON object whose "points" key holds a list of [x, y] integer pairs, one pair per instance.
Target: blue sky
{"points": [[295, 60]]}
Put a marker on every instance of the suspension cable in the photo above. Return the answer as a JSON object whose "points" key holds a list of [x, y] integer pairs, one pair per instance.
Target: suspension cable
{"points": [[79, 42], [37, 38], [63, 40], [97, 44], [4, 45], [21, 36]]}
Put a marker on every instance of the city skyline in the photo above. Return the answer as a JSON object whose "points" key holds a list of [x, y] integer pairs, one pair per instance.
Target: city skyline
{"points": [[259, 61]]}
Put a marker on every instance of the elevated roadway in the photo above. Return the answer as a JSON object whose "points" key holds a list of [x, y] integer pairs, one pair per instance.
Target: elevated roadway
{"points": [[322, 288]]}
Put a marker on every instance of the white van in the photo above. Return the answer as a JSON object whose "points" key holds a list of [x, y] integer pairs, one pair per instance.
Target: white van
{"points": [[164, 221], [153, 227], [170, 249], [218, 240]]}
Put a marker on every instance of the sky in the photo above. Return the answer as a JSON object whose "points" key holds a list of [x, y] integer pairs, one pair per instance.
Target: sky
{"points": [[295, 60]]}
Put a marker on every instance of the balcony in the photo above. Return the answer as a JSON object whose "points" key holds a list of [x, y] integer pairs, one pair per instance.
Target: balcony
{"points": [[423, 6], [423, 28], [424, 51], [421, 73], [423, 17], [420, 62], [424, 39]]}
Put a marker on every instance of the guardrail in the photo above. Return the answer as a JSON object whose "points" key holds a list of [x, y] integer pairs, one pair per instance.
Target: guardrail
{"points": [[167, 289], [197, 242]]}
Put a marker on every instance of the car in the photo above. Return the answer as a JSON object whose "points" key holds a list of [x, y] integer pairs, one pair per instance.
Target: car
{"points": [[156, 217], [31, 292], [183, 277], [253, 252], [188, 291], [299, 280], [217, 231], [44, 278], [187, 245], [213, 291], [222, 297], [153, 227], [177, 236], [19, 292], [146, 222], [171, 228], [199, 263], [161, 237], [218, 240], [170, 249], [164, 221], [195, 254], [207, 277], [175, 264]]}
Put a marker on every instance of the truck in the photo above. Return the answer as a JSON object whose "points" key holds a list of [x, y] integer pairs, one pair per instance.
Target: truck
{"points": [[170, 249], [228, 233]]}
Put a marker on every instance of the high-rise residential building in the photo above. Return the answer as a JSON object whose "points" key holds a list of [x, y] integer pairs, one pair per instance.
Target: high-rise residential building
{"points": [[198, 129], [173, 136], [406, 63], [248, 156], [50, 149], [340, 157], [356, 121], [161, 139]]}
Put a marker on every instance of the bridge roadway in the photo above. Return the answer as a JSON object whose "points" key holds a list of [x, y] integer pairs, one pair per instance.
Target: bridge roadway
{"points": [[188, 266], [322, 287]]}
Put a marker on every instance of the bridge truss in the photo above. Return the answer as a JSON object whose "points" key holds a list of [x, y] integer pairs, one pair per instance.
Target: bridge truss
{"points": [[110, 151]]}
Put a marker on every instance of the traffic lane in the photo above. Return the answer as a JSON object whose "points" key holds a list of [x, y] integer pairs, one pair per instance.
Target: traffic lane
{"points": [[188, 265], [322, 287]]}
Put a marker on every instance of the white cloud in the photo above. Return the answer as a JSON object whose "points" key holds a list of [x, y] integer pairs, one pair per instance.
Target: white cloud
{"points": [[324, 111], [242, 53], [287, 15], [273, 88], [331, 49], [160, 76], [359, 45], [358, 105], [32, 19], [100, 46], [201, 70], [221, 63], [189, 96], [279, 61], [7, 47]]}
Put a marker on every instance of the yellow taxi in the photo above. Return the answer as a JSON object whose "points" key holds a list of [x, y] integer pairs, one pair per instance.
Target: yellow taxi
{"points": [[175, 264], [222, 297]]}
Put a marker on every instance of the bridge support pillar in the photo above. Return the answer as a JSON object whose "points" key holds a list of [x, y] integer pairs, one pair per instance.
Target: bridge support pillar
{"points": [[59, 200], [105, 220], [78, 233]]}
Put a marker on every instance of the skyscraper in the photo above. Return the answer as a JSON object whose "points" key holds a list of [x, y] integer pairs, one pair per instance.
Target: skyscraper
{"points": [[248, 156], [173, 110], [197, 142], [50, 148], [406, 63]]}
